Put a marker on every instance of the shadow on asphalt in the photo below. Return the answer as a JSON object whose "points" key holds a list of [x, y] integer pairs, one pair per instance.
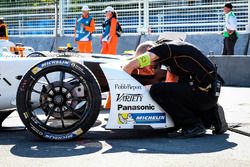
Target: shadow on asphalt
{"points": [[156, 142]]}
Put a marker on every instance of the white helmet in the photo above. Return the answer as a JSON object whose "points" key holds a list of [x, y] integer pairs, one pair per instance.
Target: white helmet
{"points": [[85, 8], [109, 9]]}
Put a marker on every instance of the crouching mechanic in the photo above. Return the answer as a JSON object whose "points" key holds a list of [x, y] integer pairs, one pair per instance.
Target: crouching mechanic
{"points": [[191, 96]]}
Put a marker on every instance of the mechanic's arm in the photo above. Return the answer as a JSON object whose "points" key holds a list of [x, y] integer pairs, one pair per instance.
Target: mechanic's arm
{"points": [[139, 62]]}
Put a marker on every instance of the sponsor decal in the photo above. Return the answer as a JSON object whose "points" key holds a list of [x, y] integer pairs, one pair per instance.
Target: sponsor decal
{"points": [[55, 62], [135, 107], [68, 136], [35, 120], [127, 86], [36, 130], [74, 65], [49, 63], [78, 131], [128, 97], [50, 136], [125, 118], [141, 118], [35, 70], [26, 115]]}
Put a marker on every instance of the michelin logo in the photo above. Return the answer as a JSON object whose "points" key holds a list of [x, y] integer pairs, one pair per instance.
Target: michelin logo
{"points": [[141, 118], [49, 63], [55, 62]]}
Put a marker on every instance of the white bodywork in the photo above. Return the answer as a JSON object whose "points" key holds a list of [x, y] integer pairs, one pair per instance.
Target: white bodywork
{"points": [[131, 104], [10, 68]]}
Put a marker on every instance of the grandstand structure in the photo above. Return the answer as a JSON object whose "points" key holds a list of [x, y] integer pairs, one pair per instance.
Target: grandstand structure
{"points": [[57, 17]]}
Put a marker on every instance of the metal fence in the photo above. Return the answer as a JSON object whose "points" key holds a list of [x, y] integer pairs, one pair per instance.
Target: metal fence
{"points": [[28, 17], [57, 17]]}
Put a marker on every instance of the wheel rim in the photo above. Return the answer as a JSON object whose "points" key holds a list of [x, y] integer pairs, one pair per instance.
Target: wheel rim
{"points": [[59, 100]]}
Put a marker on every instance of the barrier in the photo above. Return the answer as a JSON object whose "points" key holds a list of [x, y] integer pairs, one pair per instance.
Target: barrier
{"points": [[214, 42], [38, 43], [234, 69]]}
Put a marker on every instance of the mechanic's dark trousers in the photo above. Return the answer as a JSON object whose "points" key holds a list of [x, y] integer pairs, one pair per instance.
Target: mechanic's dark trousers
{"points": [[229, 43], [186, 105]]}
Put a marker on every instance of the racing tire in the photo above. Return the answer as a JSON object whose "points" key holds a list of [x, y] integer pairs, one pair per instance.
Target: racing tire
{"points": [[45, 100], [36, 54]]}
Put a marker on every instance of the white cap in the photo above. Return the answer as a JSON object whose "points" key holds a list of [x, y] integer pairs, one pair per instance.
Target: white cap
{"points": [[109, 9], [85, 8]]}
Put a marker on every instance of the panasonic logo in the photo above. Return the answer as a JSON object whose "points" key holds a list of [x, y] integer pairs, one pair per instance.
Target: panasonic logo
{"points": [[135, 107]]}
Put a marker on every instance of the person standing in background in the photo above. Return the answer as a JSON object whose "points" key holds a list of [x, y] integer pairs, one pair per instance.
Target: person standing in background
{"points": [[109, 38], [230, 30], [85, 26], [3, 30]]}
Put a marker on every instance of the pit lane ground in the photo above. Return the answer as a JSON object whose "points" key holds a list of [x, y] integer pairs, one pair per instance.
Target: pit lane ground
{"points": [[102, 148]]}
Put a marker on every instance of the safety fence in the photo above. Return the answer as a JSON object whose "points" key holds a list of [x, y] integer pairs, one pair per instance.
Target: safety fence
{"points": [[57, 17]]}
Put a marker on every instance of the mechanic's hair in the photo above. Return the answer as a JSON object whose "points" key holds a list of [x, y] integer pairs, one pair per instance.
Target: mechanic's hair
{"points": [[144, 47]]}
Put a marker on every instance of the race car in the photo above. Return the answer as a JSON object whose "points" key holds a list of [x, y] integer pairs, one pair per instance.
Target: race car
{"points": [[58, 95]]}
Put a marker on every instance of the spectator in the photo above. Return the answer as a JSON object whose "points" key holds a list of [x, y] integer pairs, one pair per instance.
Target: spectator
{"points": [[85, 26], [3, 29], [230, 30]]}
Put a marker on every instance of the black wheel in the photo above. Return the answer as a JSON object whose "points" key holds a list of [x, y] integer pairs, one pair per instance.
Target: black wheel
{"points": [[36, 54], [58, 99]]}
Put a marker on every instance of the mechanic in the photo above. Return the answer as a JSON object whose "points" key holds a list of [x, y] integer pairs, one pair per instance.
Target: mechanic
{"points": [[109, 38], [191, 96], [85, 26]]}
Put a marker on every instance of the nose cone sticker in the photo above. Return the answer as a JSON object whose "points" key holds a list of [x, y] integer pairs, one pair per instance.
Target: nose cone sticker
{"points": [[141, 118]]}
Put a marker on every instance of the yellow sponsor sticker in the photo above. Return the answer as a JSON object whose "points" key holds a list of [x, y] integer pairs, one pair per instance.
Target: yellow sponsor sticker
{"points": [[78, 131], [26, 115], [125, 118], [36, 70]]}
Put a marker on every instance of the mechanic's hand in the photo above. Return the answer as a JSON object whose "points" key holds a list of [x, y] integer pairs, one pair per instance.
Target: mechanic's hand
{"points": [[127, 69]]}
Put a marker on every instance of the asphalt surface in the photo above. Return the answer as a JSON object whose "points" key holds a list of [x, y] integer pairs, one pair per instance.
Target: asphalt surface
{"points": [[101, 147]]}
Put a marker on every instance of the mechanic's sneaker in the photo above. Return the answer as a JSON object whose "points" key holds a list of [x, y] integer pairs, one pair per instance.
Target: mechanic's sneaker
{"points": [[219, 122], [194, 131]]}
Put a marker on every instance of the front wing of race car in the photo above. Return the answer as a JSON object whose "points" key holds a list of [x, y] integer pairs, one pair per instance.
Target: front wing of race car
{"points": [[131, 104]]}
